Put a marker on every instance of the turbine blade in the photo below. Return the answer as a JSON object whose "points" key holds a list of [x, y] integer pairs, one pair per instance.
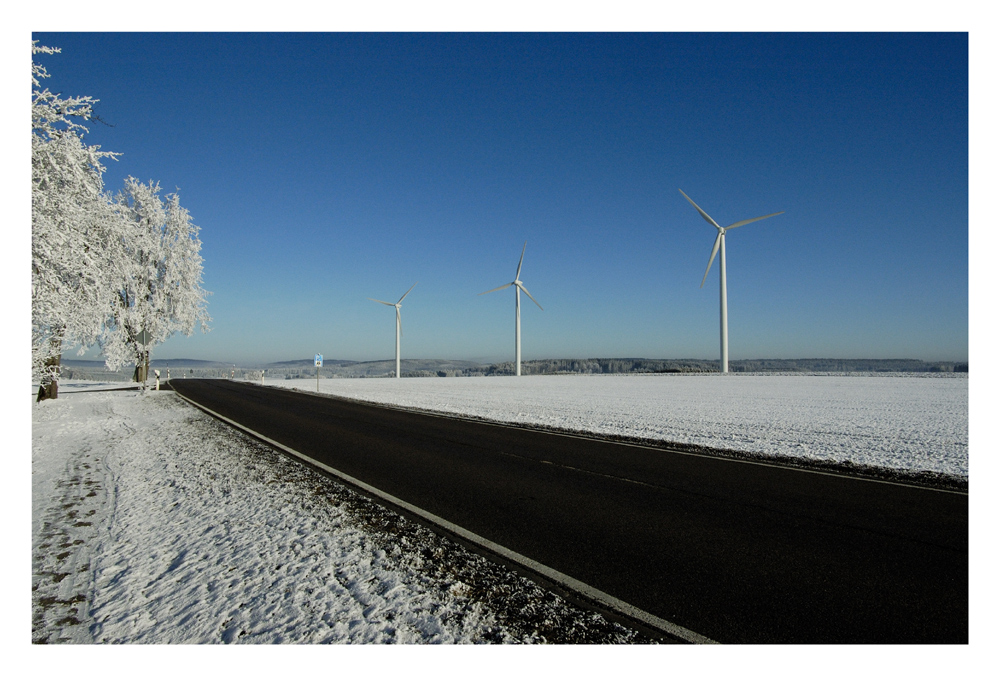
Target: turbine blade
{"points": [[521, 286], [383, 302], [399, 320], [518, 275], [751, 220], [703, 214], [496, 289], [407, 292], [715, 250]]}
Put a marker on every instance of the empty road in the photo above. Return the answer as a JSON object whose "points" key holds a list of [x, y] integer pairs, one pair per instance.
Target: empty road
{"points": [[735, 551]]}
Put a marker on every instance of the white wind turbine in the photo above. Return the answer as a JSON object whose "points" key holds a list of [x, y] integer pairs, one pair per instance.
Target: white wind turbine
{"points": [[518, 288], [720, 244], [399, 323]]}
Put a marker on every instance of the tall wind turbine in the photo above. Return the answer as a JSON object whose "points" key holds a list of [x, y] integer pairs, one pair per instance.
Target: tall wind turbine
{"points": [[518, 288], [399, 323], [720, 245]]}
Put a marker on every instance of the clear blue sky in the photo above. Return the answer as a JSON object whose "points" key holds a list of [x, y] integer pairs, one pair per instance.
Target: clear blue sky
{"points": [[324, 169]]}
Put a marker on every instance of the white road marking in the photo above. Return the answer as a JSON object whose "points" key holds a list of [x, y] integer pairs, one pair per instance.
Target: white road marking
{"points": [[592, 594], [633, 444]]}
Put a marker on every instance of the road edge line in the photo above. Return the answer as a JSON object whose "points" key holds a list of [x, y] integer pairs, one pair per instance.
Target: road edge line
{"points": [[635, 443], [594, 595]]}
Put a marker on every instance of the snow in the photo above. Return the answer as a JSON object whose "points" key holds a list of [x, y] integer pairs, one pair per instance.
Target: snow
{"points": [[914, 423], [154, 523]]}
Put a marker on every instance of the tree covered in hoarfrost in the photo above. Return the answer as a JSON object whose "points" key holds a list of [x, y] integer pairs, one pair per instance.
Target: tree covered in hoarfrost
{"points": [[103, 268], [74, 227], [160, 291]]}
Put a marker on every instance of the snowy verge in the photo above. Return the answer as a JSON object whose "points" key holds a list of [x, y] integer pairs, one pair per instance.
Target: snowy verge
{"points": [[155, 523]]}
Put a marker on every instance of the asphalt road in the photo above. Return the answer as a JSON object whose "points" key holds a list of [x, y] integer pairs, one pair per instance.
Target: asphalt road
{"points": [[738, 552]]}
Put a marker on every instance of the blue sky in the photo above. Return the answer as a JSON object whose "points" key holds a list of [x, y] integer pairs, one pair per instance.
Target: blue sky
{"points": [[328, 168]]}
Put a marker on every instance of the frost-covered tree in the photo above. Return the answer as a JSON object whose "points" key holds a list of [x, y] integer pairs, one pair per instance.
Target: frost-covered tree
{"points": [[74, 242], [159, 291], [103, 268]]}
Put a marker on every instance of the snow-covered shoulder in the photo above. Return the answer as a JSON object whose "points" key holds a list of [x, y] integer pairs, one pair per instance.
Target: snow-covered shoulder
{"points": [[155, 523]]}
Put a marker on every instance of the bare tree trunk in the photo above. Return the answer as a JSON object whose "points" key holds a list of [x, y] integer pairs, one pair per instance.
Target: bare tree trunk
{"points": [[141, 367], [50, 379]]}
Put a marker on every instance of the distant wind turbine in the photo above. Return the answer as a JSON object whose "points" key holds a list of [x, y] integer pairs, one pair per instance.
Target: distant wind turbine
{"points": [[518, 288], [720, 244], [399, 322]]}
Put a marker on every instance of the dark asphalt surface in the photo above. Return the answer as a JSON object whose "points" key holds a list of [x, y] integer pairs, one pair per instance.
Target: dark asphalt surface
{"points": [[738, 552]]}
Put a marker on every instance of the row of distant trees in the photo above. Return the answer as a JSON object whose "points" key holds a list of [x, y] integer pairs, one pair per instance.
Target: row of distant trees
{"points": [[544, 366], [383, 369], [120, 271]]}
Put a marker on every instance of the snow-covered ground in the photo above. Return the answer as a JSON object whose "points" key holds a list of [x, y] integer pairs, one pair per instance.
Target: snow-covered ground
{"points": [[917, 422], [154, 523]]}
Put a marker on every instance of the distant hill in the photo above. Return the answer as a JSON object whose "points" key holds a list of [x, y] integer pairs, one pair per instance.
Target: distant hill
{"points": [[188, 363], [301, 363], [437, 368], [370, 369]]}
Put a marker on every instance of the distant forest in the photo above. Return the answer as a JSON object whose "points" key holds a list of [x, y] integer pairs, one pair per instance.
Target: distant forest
{"points": [[553, 366], [439, 368]]}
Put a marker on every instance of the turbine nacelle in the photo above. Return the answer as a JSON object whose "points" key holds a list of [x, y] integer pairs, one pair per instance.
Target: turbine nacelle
{"points": [[517, 281], [521, 286], [722, 231]]}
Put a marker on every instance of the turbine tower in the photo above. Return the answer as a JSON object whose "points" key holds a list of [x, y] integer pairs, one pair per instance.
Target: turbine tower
{"points": [[720, 246], [399, 323], [518, 288]]}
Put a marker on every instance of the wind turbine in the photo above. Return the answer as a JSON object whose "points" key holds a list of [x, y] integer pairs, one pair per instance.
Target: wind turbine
{"points": [[518, 288], [399, 323], [720, 244]]}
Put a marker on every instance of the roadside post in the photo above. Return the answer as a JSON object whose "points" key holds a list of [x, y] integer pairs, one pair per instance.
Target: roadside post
{"points": [[143, 339], [319, 362], [156, 372]]}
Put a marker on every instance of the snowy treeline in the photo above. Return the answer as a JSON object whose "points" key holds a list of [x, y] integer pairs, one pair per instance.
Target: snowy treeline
{"points": [[104, 267], [639, 365], [424, 368]]}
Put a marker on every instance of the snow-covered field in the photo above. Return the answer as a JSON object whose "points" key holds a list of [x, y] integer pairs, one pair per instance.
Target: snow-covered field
{"points": [[917, 423], [154, 523]]}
